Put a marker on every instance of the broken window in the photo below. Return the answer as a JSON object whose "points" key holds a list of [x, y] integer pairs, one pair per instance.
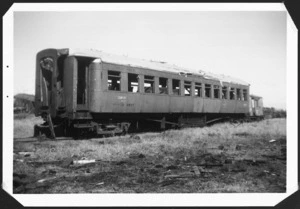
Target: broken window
{"points": [[232, 94], [187, 88], [216, 92], [163, 86], [207, 90], [224, 92], [133, 82], [176, 87], [149, 84], [245, 96], [198, 89], [239, 95], [114, 80]]}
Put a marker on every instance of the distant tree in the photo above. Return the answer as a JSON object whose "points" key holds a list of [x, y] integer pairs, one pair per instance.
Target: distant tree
{"points": [[23, 103], [271, 112]]}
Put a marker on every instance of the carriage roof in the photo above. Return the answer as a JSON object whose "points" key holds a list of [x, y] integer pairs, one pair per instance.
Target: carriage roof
{"points": [[154, 65]]}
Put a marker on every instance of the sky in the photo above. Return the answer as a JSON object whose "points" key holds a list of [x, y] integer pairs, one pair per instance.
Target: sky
{"points": [[250, 46]]}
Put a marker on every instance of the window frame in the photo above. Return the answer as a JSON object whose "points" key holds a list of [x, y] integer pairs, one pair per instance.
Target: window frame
{"points": [[210, 90], [114, 76], [189, 84], [165, 90], [245, 94], [238, 94], [129, 83], [179, 87], [198, 85], [232, 89], [226, 92], [151, 80], [216, 87]]}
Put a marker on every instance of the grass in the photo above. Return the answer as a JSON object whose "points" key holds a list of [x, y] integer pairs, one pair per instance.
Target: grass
{"points": [[173, 147], [24, 123]]}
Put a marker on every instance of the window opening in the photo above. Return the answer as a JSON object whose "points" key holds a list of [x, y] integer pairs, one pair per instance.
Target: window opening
{"points": [[163, 86], [239, 95], [216, 92], [232, 94], [176, 87], [207, 90], [224, 92], [133, 83], [198, 89], [114, 80], [245, 94], [187, 88], [149, 84]]}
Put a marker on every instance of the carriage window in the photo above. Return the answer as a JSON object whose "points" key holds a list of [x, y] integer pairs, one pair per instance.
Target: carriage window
{"points": [[149, 84], [224, 92], [163, 86], [114, 80], [187, 88], [245, 94], [176, 87], [239, 95], [133, 82], [232, 94], [216, 92], [207, 90], [198, 90]]}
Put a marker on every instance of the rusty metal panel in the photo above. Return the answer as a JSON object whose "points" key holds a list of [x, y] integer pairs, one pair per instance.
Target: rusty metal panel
{"points": [[198, 104], [38, 87], [176, 104], [104, 79], [241, 107], [181, 84], [212, 105], [156, 82], [148, 103], [94, 86], [228, 106], [188, 104], [162, 103], [154, 65], [41, 89], [141, 83], [113, 101], [70, 83], [124, 81]]}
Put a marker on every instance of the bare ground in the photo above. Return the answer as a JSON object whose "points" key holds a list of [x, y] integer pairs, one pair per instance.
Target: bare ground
{"points": [[247, 158]]}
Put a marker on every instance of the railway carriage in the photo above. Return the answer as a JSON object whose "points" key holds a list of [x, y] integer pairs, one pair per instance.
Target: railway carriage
{"points": [[89, 91]]}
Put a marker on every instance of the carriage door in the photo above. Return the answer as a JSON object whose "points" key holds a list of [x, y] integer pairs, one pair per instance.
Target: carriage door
{"points": [[82, 83]]}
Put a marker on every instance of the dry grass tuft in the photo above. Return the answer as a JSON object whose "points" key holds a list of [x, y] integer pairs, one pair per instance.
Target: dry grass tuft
{"points": [[23, 125], [177, 148]]}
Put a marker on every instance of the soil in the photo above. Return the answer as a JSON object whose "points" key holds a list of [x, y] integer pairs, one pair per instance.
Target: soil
{"points": [[139, 173]]}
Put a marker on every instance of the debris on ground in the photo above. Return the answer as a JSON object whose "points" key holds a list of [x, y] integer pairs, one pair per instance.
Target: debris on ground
{"points": [[172, 167], [66, 162], [83, 161], [47, 179], [196, 170], [238, 147], [136, 155], [160, 170], [26, 154]]}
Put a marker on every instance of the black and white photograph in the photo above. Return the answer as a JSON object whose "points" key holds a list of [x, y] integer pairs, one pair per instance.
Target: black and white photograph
{"points": [[154, 99]]}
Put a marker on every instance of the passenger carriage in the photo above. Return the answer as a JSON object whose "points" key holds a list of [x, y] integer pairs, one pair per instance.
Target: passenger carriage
{"points": [[97, 92]]}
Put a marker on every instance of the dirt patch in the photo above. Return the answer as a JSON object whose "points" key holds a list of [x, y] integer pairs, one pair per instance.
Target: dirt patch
{"points": [[140, 173], [178, 161]]}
